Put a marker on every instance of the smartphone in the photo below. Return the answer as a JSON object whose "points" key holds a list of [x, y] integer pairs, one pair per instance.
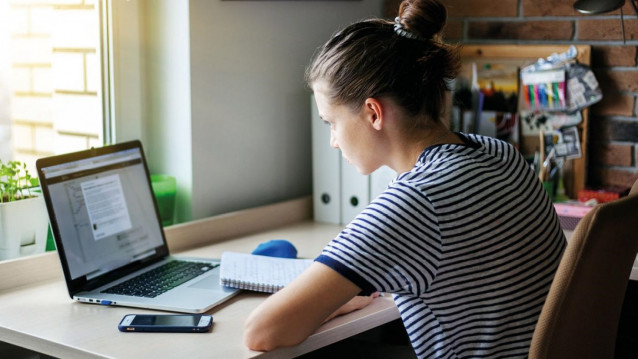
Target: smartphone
{"points": [[178, 323]]}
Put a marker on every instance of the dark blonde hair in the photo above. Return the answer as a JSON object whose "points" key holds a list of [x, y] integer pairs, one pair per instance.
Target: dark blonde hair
{"points": [[369, 59]]}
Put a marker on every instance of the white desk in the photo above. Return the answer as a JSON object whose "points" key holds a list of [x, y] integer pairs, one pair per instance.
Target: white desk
{"points": [[42, 317]]}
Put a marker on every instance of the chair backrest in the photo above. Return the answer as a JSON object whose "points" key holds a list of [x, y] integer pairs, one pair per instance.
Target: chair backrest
{"points": [[581, 313]]}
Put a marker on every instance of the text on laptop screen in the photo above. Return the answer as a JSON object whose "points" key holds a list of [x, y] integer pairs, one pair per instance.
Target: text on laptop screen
{"points": [[104, 209]]}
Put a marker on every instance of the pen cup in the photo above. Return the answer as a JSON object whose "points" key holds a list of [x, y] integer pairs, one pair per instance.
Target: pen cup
{"points": [[548, 186], [165, 189]]}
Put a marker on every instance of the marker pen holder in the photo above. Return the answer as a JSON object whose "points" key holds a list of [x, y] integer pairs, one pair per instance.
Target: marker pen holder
{"points": [[543, 90]]}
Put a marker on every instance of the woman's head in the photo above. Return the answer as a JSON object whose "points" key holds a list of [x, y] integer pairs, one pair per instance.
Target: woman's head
{"points": [[404, 60]]}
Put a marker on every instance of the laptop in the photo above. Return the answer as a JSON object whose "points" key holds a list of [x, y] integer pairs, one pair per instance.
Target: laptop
{"points": [[107, 231]]}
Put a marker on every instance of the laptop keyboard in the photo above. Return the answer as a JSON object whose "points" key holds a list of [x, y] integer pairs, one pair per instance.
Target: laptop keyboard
{"points": [[161, 279]]}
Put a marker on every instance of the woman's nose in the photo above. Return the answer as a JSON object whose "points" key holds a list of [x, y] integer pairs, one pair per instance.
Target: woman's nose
{"points": [[333, 142]]}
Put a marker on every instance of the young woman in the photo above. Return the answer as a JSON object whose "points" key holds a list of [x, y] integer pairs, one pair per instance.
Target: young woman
{"points": [[464, 238]]}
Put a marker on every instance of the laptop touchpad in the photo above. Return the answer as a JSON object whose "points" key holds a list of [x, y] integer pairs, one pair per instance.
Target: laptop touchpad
{"points": [[210, 282]]}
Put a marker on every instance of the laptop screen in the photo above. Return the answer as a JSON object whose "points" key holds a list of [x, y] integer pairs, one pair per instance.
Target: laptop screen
{"points": [[104, 211]]}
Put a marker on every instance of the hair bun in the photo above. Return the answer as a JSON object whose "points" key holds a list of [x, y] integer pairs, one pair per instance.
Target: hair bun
{"points": [[424, 18]]}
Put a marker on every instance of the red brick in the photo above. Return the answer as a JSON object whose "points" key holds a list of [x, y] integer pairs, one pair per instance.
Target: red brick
{"points": [[615, 104], [614, 81], [606, 30], [560, 8], [525, 30], [607, 56], [463, 8], [604, 130], [481, 8], [611, 154], [623, 177], [453, 30], [548, 8], [599, 130]]}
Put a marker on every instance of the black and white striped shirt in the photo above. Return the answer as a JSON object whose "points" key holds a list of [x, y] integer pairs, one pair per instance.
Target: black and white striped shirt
{"points": [[468, 242]]}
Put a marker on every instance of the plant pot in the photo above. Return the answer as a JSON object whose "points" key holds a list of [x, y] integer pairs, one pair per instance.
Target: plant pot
{"points": [[23, 227]]}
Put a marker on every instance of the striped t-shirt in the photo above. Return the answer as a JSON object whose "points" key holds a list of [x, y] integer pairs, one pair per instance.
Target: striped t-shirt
{"points": [[467, 241]]}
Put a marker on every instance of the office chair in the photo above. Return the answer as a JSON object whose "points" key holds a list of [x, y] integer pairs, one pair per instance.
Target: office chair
{"points": [[581, 313]]}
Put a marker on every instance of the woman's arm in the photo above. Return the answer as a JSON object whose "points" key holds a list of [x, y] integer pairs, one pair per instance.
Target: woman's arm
{"points": [[289, 316], [355, 303]]}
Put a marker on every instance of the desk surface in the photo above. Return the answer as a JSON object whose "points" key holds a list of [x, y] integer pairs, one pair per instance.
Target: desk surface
{"points": [[43, 318]]}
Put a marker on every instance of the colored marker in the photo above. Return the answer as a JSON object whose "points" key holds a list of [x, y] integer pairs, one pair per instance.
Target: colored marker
{"points": [[550, 95], [561, 93]]}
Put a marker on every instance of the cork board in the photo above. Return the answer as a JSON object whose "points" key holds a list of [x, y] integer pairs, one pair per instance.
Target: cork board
{"points": [[523, 55]]}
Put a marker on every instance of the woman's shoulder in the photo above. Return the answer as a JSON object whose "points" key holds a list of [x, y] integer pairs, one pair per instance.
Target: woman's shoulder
{"points": [[448, 167], [481, 141]]}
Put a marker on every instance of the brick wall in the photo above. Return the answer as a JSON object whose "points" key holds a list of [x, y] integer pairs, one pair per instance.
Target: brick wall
{"points": [[613, 123], [55, 79]]}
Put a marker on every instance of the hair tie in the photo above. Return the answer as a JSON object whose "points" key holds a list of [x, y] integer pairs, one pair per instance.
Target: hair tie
{"points": [[399, 29]]}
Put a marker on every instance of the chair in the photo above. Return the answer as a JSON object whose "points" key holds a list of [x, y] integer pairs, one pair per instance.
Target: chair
{"points": [[580, 316]]}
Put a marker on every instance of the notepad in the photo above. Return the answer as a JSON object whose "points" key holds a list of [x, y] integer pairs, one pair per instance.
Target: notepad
{"points": [[259, 273]]}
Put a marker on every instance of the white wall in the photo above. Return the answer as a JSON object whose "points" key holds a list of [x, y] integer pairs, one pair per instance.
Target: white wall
{"points": [[150, 86], [127, 45], [250, 107], [168, 95], [226, 109]]}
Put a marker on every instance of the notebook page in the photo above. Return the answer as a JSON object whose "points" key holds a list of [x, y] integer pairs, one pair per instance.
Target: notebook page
{"points": [[259, 273]]}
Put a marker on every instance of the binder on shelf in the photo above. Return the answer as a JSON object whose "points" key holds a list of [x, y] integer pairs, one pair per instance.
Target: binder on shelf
{"points": [[379, 181], [326, 172], [355, 194]]}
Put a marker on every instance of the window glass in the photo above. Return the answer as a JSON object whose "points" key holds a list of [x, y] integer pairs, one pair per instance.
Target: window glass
{"points": [[51, 98], [50, 78]]}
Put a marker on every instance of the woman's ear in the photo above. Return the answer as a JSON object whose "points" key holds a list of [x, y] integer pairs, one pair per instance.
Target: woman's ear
{"points": [[374, 112]]}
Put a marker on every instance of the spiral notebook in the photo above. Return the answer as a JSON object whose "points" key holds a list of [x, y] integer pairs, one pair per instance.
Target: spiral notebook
{"points": [[259, 273]]}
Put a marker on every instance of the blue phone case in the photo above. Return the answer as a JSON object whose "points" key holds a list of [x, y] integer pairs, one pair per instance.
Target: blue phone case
{"points": [[149, 323]]}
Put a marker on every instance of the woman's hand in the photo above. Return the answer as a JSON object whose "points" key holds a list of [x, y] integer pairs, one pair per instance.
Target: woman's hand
{"points": [[356, 303]]}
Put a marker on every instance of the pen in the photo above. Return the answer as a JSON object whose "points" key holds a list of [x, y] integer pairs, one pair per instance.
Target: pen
{"points": [[543, 95], [542, 155], [561, 93], [550, 95]]}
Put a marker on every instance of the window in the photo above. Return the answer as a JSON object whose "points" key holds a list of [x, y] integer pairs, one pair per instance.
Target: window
{"points": [[51, 98]]}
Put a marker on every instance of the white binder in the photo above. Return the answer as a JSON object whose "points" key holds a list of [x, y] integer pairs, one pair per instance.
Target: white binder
{"points": [[355, 194], [326, 172], [379, 181]]}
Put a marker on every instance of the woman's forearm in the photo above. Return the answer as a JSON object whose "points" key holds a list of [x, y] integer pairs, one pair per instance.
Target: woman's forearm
{"points": [[289, 316]]}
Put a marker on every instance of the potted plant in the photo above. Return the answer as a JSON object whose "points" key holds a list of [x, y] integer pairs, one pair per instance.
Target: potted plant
{"points": [[23, 215]]}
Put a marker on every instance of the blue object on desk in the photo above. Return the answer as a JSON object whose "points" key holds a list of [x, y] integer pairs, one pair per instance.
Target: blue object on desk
{"points": [[276, 248]]}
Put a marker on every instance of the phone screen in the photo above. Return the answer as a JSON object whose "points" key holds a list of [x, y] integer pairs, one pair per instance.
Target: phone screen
{"points": [[167, 320]]}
